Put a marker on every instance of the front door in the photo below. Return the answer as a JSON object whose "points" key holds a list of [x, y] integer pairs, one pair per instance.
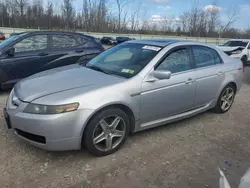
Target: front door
{"points": [[164, 98], [30, 54]]}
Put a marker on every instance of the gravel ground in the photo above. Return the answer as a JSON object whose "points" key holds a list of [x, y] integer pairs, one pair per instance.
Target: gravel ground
{"points": [[183, 154]]}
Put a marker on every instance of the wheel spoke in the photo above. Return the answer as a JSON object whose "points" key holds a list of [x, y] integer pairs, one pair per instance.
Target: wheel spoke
{"points": [[118, 133], [223, 99], [230, 96], [115, 122], [224, 105], [103, 125], [109, 143], [227, 91], [100, 138]]}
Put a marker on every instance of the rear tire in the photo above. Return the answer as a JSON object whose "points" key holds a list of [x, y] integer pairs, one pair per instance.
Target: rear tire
{"points": [[106, 132], [226, 99]]}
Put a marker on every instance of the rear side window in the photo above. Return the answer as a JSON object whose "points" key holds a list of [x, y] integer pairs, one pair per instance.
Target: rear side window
{"points": [[205, 57], [81, 40], [63, 41]]}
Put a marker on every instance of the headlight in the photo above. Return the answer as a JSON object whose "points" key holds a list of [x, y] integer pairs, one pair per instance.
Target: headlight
{"points": [[50, 109], [237, 52]]}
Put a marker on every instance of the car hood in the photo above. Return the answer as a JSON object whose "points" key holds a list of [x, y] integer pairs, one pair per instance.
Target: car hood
{"points": [[229, 49], [61, 79]]}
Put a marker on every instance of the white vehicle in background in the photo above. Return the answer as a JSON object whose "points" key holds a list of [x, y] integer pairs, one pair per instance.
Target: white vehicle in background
{"points": [[238, 49]]}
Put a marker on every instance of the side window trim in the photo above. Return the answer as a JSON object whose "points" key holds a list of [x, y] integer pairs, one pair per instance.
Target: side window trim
{"points": [[50, 42], [191, 62]]}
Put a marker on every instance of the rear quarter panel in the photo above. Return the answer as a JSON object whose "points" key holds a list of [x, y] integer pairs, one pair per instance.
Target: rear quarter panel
{"points": [[233, 69]]}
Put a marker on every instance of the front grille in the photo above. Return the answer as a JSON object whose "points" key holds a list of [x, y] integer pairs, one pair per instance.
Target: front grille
{"points": [[32, 137]]}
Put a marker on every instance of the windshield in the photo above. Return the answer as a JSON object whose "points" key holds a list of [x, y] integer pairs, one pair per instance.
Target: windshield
{"points": [[10, 40], [236, 43], [125, 60]]}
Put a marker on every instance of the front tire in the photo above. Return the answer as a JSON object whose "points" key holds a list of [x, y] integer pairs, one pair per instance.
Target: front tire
{"points": [[106, 132], [226, 99]]}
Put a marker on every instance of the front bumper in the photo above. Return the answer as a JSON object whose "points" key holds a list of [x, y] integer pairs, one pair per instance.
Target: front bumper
{"points": [[57, 132]]}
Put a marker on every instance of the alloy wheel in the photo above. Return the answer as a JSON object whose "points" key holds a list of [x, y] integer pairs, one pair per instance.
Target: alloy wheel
{"points": [[109, 133], [227, 99]]}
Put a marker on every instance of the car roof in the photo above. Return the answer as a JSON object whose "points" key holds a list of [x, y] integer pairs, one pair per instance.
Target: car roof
{"points": [[157, 42], [243, 40], [56, 32]]}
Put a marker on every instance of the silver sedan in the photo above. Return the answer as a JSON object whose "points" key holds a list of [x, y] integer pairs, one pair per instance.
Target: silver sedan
{"points": [[129, 88]]}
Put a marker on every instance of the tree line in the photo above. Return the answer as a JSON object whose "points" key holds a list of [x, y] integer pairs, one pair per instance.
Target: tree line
{"points": [[125, 16]]}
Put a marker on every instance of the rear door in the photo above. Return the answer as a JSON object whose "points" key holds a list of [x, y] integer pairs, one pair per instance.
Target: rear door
{"points": [[209, 74], [31, 53]]}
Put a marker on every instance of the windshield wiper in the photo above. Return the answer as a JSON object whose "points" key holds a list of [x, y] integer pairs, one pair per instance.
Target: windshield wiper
{"points": [[97, 69]]}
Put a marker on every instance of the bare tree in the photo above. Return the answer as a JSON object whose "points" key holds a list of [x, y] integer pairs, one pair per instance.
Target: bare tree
{"points": [[99, 16], [232, 17], [21, 5], [67, 12], [120, 7], [49, 13], [212, 14], [134, 19]]}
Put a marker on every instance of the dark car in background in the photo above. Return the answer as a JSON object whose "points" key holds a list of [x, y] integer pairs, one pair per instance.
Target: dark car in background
{"points": [[28, 53], [2, 37], [108, 41], [122, 39]]}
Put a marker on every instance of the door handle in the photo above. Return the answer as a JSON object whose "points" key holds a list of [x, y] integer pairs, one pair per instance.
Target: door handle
{"points": [[220, 73], [42, 54], [190, 81]]}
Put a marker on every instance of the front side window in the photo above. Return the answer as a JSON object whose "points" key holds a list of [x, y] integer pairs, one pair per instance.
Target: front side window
{"points": [[10, 40], [63, 41], [32, 43], [125, 60], [205, 57], [177, 61]]}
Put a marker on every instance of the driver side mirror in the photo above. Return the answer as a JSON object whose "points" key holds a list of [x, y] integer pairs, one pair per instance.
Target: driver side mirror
{"points": [[10, 51], [162, 75]]}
